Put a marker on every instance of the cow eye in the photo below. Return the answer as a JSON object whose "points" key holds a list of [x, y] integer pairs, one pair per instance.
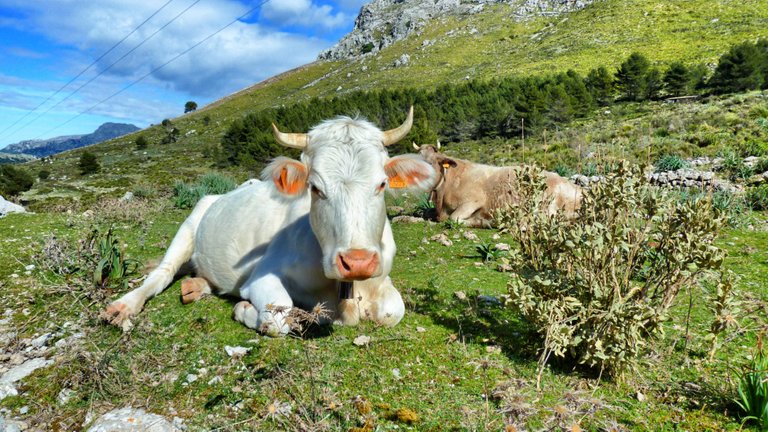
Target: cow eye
{"points": [[318, 192], [381, 187]]}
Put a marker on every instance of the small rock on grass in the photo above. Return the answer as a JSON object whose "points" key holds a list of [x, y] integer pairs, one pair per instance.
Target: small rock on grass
{"points": [[362, 340], [132, 420], [236, 351]]}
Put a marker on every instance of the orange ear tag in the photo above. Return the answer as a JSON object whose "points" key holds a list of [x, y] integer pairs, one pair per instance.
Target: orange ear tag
{"points": [[397, 182], [446, 165]]}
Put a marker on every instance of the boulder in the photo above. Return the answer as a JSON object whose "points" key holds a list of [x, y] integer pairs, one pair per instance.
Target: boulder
{"points": [[9, 207]]}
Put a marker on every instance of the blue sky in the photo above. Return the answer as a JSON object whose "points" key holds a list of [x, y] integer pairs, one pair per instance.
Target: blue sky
{"points": [[46, 43]]}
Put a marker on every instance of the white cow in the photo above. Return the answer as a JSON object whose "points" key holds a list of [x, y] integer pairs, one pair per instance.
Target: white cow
{"points": [[289, 239]]}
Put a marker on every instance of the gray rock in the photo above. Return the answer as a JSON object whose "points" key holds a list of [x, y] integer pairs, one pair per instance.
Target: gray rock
{"points": [[127, 197], [132, 420], [403, 60], [7, 425], [405, 219], [23, 370], [7, 207]]}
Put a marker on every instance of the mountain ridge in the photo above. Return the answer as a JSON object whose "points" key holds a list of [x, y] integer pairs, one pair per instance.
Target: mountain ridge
{"points": [[51, 146]]}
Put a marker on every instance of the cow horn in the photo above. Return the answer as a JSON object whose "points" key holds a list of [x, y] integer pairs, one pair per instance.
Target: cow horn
{"points": [[415, 146], [292, 140], [394, 135], [438, 144]]}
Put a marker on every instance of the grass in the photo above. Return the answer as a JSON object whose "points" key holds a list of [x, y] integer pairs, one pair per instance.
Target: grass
{"points": [[441, 362]]}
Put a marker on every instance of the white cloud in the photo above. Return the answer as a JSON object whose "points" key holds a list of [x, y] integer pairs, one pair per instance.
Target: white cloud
{"points": [[241, 55], [303, 12]]}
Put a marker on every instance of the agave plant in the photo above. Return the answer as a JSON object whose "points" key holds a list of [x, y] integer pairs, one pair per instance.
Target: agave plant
{"points": [[753, 390]]}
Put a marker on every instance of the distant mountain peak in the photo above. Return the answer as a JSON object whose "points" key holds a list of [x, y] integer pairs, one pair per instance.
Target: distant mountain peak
{"points": [[42, 148], [384, 22]]}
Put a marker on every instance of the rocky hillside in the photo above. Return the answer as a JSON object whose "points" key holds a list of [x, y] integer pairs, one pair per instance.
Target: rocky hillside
{"points": [[42, 148], [384, 22], [12, 158]]}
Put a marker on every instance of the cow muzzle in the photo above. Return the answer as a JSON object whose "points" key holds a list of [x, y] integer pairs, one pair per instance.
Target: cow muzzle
{"points": [[357, 264]]}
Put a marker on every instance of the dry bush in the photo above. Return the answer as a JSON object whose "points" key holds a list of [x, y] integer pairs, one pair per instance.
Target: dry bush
{"points": [[599, 287]]}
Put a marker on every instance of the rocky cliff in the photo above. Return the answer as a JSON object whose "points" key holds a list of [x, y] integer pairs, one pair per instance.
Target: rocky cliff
{"points": [[384, 22]]}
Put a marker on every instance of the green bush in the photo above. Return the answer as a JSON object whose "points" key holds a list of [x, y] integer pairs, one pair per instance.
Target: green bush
{"points": [[599, 287], [43, 174], [141, 142], [144, 192], [733, 165], [186, 195], [670, 162], [216, 184], [14, 181], [88, 163], [757, 198]]}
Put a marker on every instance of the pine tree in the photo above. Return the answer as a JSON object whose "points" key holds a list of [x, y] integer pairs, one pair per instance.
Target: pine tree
{"points": [[676, 79], [631, 77], [600, 84], [738, 70]]}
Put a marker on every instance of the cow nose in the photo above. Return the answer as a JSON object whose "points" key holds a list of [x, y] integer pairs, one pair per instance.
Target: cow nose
{"points": [[357, 264]]}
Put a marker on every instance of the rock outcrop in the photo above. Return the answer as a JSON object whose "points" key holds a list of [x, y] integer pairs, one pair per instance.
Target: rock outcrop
{"points": [[384, 22], [9, 207]]}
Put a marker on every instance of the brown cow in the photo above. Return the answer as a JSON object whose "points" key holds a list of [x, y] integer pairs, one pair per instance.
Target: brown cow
{"points": [[469, 192]]}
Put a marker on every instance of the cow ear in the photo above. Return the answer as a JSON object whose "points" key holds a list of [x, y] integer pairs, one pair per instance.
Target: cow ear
{"points": [[446, 162], [288, 175], [409, 171]]}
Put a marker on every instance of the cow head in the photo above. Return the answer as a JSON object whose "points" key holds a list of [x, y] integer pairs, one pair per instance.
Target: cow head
{"points": [[439, 161], [345, 168]]}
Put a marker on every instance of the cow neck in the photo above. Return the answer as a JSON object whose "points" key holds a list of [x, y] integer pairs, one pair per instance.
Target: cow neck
{"points": [[442, 180], [346, 290]]}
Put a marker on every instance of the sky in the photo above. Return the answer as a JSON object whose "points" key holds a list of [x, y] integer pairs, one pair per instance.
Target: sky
{"points": [[67, 66]]}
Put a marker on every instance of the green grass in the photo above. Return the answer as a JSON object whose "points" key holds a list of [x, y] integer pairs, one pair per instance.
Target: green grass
{"points": [[449, 351]]}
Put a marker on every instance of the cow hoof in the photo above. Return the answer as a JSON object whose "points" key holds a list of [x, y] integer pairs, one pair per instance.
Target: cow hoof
{"points": [[193, 289], [119, 314], [246, 314]]}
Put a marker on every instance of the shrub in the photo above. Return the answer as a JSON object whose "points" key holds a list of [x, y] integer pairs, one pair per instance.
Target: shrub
{"points": [[210, 184], [599, 287], [141, 143], [144, 192], [757, 198], [88, 163], [43, 174], [14, 181], [216, 184], [733, 165], [186, 196], [753, 389], [670, 163]]}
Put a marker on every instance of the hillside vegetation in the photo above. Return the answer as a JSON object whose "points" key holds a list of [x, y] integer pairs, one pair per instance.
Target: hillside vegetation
{"points": [[459, 360]]}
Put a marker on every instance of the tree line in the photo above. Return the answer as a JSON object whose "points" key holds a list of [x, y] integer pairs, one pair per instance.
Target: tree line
{"points": [[501, 107]]}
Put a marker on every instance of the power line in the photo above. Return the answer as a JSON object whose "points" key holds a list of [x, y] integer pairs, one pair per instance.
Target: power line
{"points": [[109, 67], [260, 4], [87, 68]]}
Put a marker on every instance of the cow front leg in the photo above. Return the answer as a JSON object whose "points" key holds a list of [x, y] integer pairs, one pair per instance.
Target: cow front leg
{"points": [[267, 307], [381, 303], [464, 213]]}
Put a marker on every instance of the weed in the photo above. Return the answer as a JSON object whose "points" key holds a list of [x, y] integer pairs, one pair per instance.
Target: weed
{"points": [[757, 198], [112, 268], [488, 252], [424, 205], [452, 224], [753, 389]]}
